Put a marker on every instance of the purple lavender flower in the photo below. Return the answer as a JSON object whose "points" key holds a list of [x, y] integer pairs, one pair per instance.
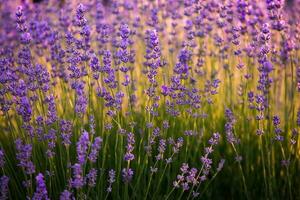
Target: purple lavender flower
{"points": [[278, 131], [129, 147], [187, 177], [4, 187], [2, 158], [177, 145], [95, 149], [298, 78], [81, 103], [165, 90], [166, 124], [24, 109], [298, 117], [127, 174], [184, 168], [206, 162], [92, 124], [52, 114], [66, 195], [111, 180], [92, 177], [78, 179], [82, 147], [66, 131], [41, 189], [161, 149], [276, 120], [229, 126], [24, 152], [51, 138]]}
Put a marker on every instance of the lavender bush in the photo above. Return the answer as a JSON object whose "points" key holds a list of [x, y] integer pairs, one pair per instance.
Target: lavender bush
{"points": [[166, 99]]}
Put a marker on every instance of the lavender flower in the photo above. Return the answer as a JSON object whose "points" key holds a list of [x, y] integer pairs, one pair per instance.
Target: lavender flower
{"points": [[111, 180], [95, 149], [129, 147], [177, 145], [82, 147], [24, 152], [41, 189], [2, 159], [52, 114], [278, 131], [161, 149], [78, 179], [229, 126], [91, 177], [66, 195], [298, 117], [66, 132], [4, 187], [24, 109], [127, 174]]}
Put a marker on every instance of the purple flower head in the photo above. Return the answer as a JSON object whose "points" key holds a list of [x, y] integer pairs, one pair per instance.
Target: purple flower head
{"points": [[129, 147], [177, 145], [95, 149], [267, 66], [24, 109], [78, 180], [161, 149], [166, 124], [41, 189], [165, 90], [66, 132], [80, 20], [51, 138], [52, 114], [184, 168], [91, 177], [24, 152], [66, 195], [4, 187], [111, 179], [112, 175], [81, 104], [191, 177], [276, 120], [214, 139], [20, 19], [298, 117], [298, 78], [82, 147], [127, 174], [124, 31], [206, 162], [2, 158], [251, 96]]}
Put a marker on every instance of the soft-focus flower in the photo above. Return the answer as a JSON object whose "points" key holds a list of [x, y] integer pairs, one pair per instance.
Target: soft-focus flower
{"points": [[24, 152], [4, 180], [41, 189], [127, 174]]}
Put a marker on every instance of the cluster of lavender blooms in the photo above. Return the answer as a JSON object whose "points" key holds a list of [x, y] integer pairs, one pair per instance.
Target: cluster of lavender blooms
{"points": [[192, 177], [101, 98]]}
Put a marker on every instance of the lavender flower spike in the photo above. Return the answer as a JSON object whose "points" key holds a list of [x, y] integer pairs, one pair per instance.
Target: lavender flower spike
{"points": [[41, 189], [4, 187]]}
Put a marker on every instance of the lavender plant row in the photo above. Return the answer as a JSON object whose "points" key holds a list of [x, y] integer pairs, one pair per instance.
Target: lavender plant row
{"points": [[163, 99]]}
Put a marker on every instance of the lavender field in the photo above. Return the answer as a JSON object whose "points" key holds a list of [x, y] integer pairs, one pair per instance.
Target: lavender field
{"points": [[157, 99]]}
